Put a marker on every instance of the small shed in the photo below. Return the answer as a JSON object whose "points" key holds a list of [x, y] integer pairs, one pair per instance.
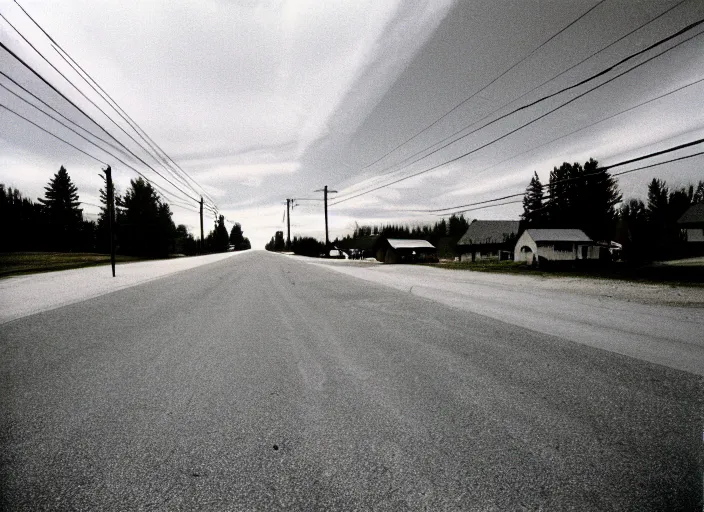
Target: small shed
{"points": [[692, 223], [360, 248], [396, 250], [538, 245], [488, 240]]}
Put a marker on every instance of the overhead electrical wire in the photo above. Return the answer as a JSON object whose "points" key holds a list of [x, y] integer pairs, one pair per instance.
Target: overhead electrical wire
{"points": [[572, 133], [27, 91], [53, 135], [65, 55], [143, 135], [459, 208], [81, 110], [162, 190], [518, 128], [95, 105], [86, 115], [391, 167], [601, 73], [54, 118], [485, 87]]}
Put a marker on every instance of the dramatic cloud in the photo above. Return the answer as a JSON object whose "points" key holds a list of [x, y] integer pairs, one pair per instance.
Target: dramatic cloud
{"points": [[263, 100]]}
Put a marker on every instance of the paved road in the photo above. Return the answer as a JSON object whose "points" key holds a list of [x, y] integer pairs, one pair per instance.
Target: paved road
{"points": [[260, 382]]}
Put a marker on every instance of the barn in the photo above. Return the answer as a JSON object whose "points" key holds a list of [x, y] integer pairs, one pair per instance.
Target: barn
{"points": [[396, 250], [488, 240], [536, 246]]}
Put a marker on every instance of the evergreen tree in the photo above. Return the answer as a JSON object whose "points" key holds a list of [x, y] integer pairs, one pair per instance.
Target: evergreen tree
{"points": [[144, 222], [61, 212], [220, 239], [102, 229], [20, 221], [584, 198], [533, 211], [457, 227], [698, 196], [596, 202], [184, 242], [632, 231], [237, 237]]}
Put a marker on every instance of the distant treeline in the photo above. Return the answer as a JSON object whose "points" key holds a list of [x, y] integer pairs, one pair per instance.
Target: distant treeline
{"points": [[444, 234], [143, 224], [304, 245]]}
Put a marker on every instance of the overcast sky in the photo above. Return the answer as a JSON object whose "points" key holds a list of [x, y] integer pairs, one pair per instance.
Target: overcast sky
{"points": [[263, 100]]}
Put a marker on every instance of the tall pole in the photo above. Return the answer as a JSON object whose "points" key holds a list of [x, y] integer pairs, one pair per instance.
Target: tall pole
{"points": [[325, 192], [327, 238], [201, 224], [288, 222], [111, 216]]}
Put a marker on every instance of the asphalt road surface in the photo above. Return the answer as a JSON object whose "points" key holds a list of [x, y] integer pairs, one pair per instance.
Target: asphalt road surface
{"points": [[263, 383]]}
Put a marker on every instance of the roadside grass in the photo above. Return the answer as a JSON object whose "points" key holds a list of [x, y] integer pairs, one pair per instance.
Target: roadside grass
{"points": [[19, 263], [668, 273]]}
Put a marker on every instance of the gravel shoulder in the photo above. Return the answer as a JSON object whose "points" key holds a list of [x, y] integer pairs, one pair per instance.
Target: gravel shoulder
{"points": [[29, 294]]}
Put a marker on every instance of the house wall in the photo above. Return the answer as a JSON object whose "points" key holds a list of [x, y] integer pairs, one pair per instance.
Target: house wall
{"points": [[525, 241], [593, 252], [550, 253], [695, 235]]}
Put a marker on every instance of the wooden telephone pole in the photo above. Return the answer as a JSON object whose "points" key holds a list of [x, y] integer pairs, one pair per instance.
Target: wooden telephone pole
{"points": [[111, 215], [288, 222], [325, 192], [201, 225]]}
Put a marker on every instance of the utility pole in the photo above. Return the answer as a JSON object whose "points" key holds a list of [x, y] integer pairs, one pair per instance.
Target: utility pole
{"points": [[288, 222], [201, 224], [325, 192], [111, 215]]}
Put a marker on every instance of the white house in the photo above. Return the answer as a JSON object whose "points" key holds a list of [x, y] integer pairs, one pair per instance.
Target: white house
{"points": [[536, 245]]}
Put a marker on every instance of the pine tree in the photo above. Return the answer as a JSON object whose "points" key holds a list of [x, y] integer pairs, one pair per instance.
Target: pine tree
{"points": [[220, 238], [237, 236], [144, 222], [61, 212], [533, 211], [596, 202]]}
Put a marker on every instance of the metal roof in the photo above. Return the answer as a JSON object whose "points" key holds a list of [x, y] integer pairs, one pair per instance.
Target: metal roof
{"points": [[489, 232], [558, 235], [695, 215], [398, 243]]}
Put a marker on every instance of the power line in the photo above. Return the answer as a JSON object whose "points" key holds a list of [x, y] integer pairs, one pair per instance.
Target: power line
{"points": [[96, 106], [55, 119], [485, 87], [597, 171], [138, 130], [516, 129], [27, 91], [55, 136], [163, 191], [571, 133], [114, 104], [383, 173], [81, 110], [588, 126]]}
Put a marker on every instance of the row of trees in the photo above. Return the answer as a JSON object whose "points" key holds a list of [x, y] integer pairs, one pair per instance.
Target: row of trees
{"points": [[588, 198], [304, 245], [443, 234], [454, 227], [144, 226]]}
